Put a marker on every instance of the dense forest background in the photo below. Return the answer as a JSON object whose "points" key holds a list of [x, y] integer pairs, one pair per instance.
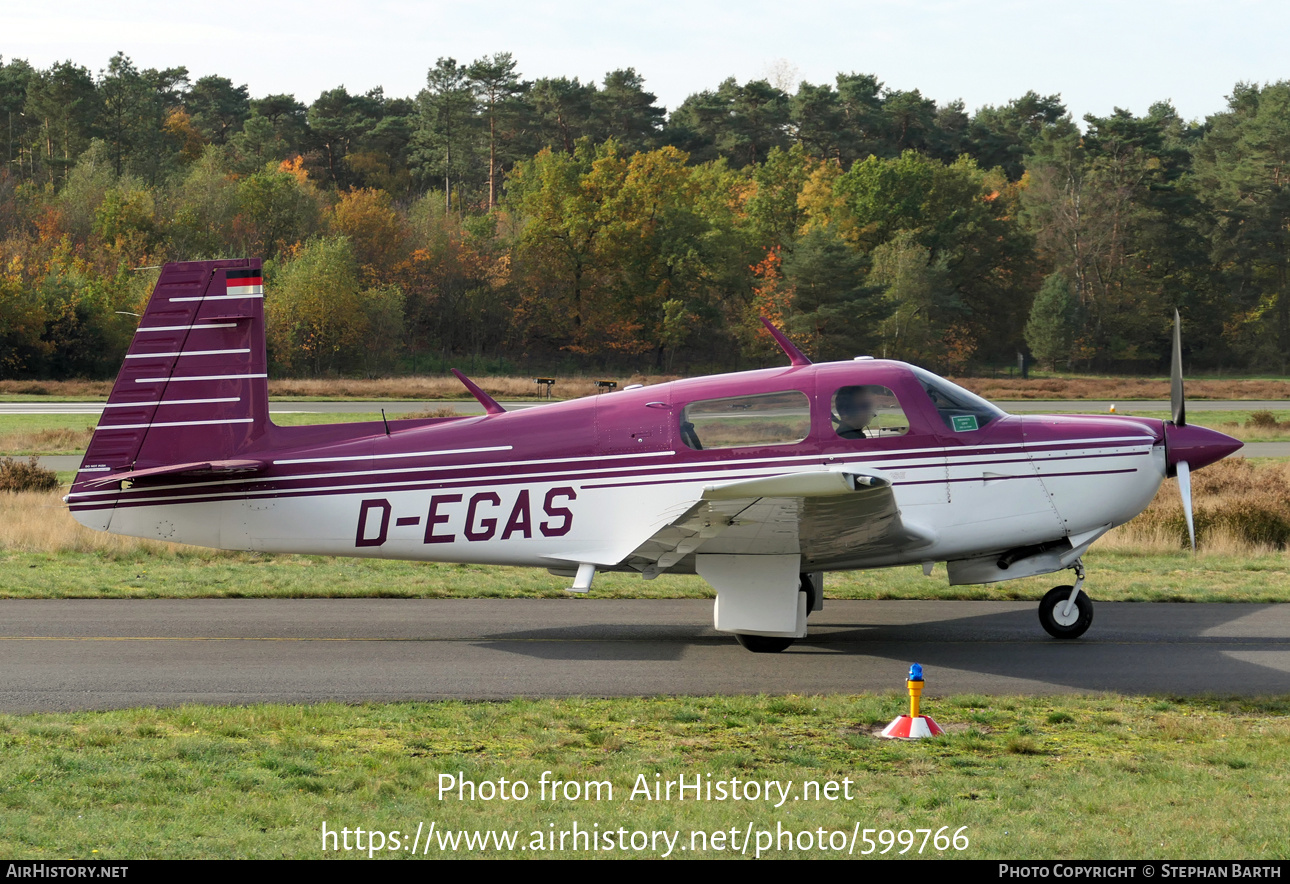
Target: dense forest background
{"points": [[563, 225]]}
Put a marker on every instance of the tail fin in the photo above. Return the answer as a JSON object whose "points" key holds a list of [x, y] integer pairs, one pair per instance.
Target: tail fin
{"points": [[194, 385]]}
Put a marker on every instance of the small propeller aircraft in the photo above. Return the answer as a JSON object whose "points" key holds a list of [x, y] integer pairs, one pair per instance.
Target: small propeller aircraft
{"points": [[759, 482]]}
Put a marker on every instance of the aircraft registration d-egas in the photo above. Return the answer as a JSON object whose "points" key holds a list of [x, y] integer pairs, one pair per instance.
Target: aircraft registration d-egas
{"points": [[759, 482]]}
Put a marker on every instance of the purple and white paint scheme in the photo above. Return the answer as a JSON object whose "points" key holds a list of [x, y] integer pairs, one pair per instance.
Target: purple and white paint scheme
{"points": [[759, 481]]}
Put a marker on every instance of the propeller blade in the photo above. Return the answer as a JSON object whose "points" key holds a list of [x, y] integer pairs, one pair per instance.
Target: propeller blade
{"points": [[1176, 378], [1184, 488]]}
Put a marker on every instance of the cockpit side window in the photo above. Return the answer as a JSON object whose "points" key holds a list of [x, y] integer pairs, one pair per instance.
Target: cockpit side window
{"points": [[960, 410], [868, 411], [764, 419]]}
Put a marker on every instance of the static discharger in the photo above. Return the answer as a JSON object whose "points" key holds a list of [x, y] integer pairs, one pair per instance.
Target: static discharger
{"points": [[913, 726]]}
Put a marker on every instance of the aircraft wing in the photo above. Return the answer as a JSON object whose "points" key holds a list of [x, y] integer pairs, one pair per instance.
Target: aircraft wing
{"points": [[832, 516]]}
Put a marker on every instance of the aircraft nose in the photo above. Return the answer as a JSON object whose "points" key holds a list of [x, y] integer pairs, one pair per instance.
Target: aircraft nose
{"points": [[1198, 446]]}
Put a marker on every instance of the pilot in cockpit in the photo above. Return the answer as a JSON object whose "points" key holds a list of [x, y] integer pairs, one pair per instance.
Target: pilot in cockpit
{"points": [[855, 412]]}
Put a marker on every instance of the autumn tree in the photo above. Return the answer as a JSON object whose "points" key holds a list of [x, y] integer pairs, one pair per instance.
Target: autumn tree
{"points": [[559, 243], [376, 233], [961, 221], [203, 209], [321, 320], [125, 223], [655, 234], [279, 210], [276, 129], [22, 324], [454, 284]]}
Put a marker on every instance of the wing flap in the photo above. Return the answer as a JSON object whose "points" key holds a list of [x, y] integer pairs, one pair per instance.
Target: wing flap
{"points": [[821, 515]]}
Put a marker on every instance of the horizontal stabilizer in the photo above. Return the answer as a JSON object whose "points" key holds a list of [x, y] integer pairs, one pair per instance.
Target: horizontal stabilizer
{"points": [[212, 468]]}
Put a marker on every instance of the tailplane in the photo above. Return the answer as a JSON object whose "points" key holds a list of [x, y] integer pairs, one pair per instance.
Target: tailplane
{"points": [[194, 386]]}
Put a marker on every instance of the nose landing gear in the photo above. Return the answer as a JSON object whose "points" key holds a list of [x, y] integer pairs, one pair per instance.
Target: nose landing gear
{"points": [[1067, 611]]}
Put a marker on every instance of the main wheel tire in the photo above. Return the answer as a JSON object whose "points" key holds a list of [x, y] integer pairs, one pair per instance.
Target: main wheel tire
{"points": [[808, 587], [1074, 624], [764, 644]]}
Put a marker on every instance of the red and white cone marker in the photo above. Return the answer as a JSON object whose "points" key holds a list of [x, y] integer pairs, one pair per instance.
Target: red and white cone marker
{"points": [[913, 726]]}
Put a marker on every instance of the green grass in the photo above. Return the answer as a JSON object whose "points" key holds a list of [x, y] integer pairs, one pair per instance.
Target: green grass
{"points": [[199, 573], [1064, 777], [20, 433], [12, 423]]}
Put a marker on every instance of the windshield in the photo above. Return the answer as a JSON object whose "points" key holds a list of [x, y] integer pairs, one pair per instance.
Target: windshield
{"points": [[961, 411]]}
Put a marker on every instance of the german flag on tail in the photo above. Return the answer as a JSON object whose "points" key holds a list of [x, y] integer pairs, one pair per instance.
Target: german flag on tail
{"points": [[244, 282]]}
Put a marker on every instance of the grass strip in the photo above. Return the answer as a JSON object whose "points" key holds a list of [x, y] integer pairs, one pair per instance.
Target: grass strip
{"points": [[180, 572], [1053, 777]]}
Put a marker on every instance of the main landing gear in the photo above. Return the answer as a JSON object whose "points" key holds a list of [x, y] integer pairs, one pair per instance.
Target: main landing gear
{"points": [[1067, 611], [773, 644]]}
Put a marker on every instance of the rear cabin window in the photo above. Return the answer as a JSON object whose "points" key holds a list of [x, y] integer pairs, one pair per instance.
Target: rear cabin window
{"points": [[868, 411], [763, 419]]}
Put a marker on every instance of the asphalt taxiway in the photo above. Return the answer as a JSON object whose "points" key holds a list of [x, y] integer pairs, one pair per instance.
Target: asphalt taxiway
{"points": [[60, 655]]}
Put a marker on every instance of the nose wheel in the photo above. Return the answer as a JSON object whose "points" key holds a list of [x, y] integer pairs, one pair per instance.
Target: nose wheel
{"points": [[1067, 611]]}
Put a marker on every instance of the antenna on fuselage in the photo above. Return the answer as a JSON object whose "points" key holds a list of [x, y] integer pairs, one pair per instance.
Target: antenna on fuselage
{"points": [[489, 403], [795, 356]]}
